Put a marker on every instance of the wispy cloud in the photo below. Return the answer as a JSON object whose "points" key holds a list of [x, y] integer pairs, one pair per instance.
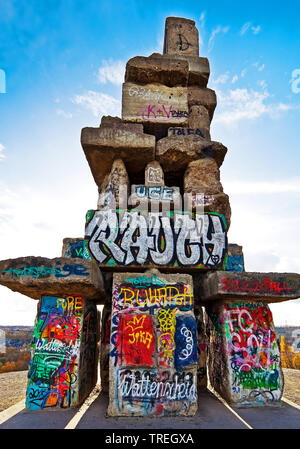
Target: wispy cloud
{"points": [[234, 79], [214, 33], [63, 113], [2, 148], [248, 26], [245, 28], [98, 103], [111, 71], [222, 79], [239, 104]]}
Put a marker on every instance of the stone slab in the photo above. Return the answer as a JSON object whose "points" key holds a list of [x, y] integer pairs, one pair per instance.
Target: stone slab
{"points": [[269, 287], [103, 145], [154, 69], [175, 152], [198, 68], [154, 104], [36, 276]]}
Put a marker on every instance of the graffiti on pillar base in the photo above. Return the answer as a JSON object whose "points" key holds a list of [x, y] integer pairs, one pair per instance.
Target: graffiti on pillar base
{"points": [[253, 351], [153, 357], [53, 372], [198, 241]]}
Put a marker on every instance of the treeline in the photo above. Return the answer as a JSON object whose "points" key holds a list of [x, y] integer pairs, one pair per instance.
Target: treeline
{"points": [[15, 359], [289, 358]]}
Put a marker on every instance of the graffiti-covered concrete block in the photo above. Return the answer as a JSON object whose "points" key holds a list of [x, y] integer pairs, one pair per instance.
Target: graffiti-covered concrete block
{"points": [[154, 103], [181, 37], [154, 189], [36, 276], [75, 248], [235, 258], [270, 287], [244, 356], [175, 240], [64, 356], [105, 144], [153, 357]]}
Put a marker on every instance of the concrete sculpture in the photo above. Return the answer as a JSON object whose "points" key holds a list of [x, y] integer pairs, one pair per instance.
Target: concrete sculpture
{"points": [[176, 296]]}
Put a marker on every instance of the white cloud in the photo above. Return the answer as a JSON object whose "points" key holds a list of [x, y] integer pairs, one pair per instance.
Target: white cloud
{"points": [[261, 67], [111, 71], [234, 79], [2, 148], [98, 103], [214, 33], [64, 114], [241, 104], [222, 79]]}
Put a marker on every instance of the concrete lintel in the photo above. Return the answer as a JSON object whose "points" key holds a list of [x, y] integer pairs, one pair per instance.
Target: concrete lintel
{"points": [[36, 276], [268, 287]]}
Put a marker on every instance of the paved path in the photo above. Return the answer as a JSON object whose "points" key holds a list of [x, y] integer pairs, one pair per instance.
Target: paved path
{"points": [[212, 414]]}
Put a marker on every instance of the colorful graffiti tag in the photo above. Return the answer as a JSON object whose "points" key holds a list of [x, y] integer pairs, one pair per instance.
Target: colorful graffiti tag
{"points": [[253, 352], [53, 373], [177, 240]]}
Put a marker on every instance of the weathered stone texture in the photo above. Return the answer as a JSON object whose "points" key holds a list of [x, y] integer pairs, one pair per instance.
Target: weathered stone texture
{"points": [[36, 276], [114, 190], [175, 152], [181, 37], [244, 355], [104, 145], [198, 96], [199, 119], [116, 123], [156, 69]]}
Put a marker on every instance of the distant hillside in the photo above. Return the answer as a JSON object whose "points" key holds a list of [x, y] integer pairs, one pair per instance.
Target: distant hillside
{"points": [[15, 348], [17, 336]]}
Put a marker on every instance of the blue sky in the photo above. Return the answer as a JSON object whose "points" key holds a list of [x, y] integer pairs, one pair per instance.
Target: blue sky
{"points": [[64, 65]]}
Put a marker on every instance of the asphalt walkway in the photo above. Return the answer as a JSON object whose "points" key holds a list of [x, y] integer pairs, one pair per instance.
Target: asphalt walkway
{"points": [[213, 413]]}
